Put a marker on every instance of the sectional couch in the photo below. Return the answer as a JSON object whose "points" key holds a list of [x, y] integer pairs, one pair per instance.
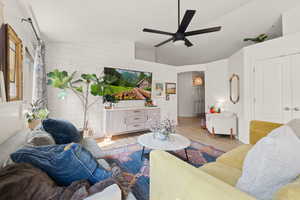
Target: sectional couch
{"points": [[173, 179]]}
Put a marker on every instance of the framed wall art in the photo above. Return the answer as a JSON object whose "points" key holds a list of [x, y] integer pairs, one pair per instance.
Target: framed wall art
{"points": [[170, 88], [159, 89]]}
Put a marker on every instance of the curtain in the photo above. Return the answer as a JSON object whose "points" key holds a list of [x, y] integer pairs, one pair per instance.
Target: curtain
{"points": [[40, 76]]}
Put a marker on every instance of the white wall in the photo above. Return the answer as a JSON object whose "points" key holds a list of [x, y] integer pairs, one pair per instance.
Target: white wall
{"points": [[286, 45], [216, 81], [92, 59], [236, 66], [290, 21], [11, 119]]}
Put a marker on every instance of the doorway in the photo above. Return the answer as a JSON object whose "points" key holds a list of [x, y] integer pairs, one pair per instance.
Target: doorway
{"points": [[191, 98]]}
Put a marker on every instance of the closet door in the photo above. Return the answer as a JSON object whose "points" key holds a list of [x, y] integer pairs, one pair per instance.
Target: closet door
{"points": [[295, 85], [272, 91]]}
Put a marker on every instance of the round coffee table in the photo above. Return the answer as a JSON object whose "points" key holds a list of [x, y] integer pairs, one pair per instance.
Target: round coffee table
{"points": [[174, 143]]}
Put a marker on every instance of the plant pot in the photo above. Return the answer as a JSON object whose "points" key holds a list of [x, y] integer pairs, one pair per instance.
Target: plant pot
{"points": [[33, 124]]}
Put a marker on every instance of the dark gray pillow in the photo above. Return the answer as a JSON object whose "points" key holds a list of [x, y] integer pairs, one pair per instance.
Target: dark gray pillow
{"points": [[63, 132], [40, 138]]}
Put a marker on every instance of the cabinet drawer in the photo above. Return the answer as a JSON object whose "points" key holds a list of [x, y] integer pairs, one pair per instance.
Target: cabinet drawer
{"points": [[135, 127], [136, 119], [135, 112]]}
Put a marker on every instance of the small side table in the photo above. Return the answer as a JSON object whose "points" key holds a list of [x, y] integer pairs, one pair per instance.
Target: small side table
{"points": [[224, 123]]}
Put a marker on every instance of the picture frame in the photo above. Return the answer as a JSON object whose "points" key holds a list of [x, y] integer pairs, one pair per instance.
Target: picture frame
{"points": [[2, 88], [167, 97], [12, 63], [159, 90], [170, 88]]}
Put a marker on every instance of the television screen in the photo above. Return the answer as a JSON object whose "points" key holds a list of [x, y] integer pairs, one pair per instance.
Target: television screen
{"points": [[129, 84]]}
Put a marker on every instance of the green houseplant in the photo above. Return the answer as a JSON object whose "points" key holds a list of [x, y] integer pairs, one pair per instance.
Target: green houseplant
{"points": [[83, 87], [36, 113], [109, 100]]}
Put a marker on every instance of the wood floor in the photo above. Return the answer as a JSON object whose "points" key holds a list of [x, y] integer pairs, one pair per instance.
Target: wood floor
{"points": [[189, 127]]}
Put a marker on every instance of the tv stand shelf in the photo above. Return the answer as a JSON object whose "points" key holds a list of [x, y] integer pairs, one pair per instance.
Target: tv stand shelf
{"points": [[119, 121]]}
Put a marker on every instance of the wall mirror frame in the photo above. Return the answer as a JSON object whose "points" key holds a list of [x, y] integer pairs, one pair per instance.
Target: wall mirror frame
{"points": [[234, 88], [12, 64]]}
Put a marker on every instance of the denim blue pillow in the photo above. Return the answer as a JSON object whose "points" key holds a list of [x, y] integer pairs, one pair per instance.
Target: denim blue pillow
{"points": [[63, 165], [62, 131]]}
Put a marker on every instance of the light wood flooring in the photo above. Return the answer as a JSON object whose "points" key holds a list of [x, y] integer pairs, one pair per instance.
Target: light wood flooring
{"points": [[189, 127]]}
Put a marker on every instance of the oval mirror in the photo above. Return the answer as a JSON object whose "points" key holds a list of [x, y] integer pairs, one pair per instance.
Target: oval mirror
{"points": [[234, 83]]}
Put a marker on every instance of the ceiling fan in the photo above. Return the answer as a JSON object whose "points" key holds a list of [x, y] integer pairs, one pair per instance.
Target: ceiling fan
{"points": [[180, 37]]}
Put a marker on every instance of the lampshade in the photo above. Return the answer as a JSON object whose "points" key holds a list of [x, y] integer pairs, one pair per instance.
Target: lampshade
{"points": [[197, 81]]}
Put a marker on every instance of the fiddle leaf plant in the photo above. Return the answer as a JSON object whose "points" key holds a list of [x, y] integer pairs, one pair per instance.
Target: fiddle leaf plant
{"points": [[83, 87]]}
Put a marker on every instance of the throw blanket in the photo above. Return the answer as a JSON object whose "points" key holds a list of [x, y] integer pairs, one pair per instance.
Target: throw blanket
{"points": [[25, 182]]}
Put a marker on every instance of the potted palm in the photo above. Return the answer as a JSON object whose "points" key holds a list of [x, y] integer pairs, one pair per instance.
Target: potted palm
{"points": [[84, 87]]}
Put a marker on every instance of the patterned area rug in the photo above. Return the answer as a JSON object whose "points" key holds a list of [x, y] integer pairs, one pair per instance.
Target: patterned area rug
{"points": [[137, 170]]}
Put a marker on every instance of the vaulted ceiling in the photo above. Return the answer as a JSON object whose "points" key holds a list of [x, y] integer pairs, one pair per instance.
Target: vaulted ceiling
{"points": [[98, 20]]}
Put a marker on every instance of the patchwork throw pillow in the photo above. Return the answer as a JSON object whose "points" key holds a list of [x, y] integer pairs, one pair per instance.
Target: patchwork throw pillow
{"points": [[272, 163], [62, 131], [64, 163]]}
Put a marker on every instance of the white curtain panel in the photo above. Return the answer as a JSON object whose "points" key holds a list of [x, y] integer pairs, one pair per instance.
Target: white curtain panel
{"points": [[39, 75]]}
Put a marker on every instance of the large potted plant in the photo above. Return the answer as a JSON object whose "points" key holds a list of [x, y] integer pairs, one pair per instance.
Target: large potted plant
{"points": [[83, 87]]}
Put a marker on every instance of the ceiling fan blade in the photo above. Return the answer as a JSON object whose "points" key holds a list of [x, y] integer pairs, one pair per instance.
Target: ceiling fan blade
{"points": [[188, 43], [164, 42], [157, 31], [188, 16], [203, 31]]}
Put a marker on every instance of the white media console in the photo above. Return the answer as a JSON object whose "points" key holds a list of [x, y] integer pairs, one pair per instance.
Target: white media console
{"points": [[118, 121]]}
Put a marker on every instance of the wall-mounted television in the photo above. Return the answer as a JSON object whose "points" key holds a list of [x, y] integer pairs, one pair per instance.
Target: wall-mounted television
{"points": [[130, 84]]}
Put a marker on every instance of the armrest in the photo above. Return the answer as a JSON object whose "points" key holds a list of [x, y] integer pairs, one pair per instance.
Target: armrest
{"points": [[289, 192], [235, 158], [173, 179]]}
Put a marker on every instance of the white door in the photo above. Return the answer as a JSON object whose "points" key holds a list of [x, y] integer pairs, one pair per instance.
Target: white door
{"points": [[272, 91], [295, 85]]}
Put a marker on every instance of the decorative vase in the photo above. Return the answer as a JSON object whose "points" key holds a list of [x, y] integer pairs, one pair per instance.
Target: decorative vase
{"points": [[34, 123], [161, 136]]}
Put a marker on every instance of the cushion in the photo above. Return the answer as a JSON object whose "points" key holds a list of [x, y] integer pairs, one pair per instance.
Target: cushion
{"points": [[91, 145], [62, 131], [24, 182], [289, 192], [295, 125], [64, 163], [223, 172], [112, 192], [235, 158], [40, 138], [272, 163], [11, 145]]}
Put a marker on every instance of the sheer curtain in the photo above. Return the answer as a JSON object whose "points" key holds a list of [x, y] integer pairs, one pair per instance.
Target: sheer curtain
{"points": [[39, 75]]}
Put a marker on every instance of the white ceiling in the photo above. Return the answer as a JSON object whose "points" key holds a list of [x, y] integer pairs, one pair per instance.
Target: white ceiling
{"points": [[96, 20]]}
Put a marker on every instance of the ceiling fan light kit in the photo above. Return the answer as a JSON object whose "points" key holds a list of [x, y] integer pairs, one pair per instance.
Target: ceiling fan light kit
{"points": [[180, 37]]}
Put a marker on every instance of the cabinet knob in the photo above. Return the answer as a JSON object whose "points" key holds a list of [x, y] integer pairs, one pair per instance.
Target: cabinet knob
{"points": [[287, 109], [297, 109]]}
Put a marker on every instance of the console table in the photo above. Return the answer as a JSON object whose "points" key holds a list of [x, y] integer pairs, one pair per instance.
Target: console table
{"points": [[118, 121]]}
